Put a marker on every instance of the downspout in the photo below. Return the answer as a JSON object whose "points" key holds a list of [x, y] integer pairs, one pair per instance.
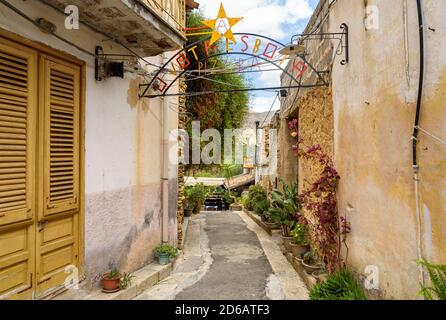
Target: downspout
{"points": [[165, 165], [416, 168], [256, 156]]}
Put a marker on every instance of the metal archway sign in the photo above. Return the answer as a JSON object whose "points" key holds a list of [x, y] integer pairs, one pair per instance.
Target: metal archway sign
{"points": [[258, 51]]}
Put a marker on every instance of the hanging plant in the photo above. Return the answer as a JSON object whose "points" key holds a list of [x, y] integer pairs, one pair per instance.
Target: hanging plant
{"points": [[330, 230]]}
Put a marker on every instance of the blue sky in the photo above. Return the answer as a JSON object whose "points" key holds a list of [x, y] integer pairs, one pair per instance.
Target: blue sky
{"points": [[278, 19]]}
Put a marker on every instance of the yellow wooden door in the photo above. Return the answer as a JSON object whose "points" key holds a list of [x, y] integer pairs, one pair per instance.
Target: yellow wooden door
{"points": [[57, 240], [39, 171], [18, 109]]}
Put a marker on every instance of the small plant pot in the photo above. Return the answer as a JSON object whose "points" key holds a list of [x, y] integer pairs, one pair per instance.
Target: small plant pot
{"points": [[310, 268], [320, 275], [298, 250], [188, 212], [298, 260], [164, 258], [287, 243], [110, 285], [272, 225]]}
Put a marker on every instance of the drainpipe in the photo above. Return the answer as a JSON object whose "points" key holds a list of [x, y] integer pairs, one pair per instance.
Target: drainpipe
{"points": [[416, 168], [165, 165], [256, 156]]}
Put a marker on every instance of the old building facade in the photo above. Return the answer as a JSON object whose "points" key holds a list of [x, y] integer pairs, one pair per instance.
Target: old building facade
{"points": [[365, 120], [85, 175]]}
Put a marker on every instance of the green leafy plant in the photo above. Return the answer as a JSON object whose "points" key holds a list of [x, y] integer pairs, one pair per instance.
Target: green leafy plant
{"points": [[300, 234], [309, 258], [229, 198], [257, 199], [165, 248], [245, 201], [437, 275], [262, 207], [284, 207], [113, 274], [126, 281], [196, 196], [341, 285]]}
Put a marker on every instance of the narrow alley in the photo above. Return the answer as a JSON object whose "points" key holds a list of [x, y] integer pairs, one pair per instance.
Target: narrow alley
{"points": [[242, 264]]}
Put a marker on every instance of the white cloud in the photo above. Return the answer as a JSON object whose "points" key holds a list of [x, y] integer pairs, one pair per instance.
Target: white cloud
{"points": [[266, 17], [270, 78], [263, 104]]}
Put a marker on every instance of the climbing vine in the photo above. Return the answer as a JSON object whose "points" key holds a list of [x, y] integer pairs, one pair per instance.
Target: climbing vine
{"points": [[330, 230]]}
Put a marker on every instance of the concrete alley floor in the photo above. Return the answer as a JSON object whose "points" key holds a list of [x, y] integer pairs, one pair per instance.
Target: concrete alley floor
{"points": [[227, 257]]}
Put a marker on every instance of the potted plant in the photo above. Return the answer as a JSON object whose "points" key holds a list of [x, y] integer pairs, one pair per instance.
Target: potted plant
{"points": [[189, 207], [284, 206], [257, 199], [261, 208], [196, 196], [310, 263], [165, 252], [126, 281], [111, 280], [320, 275], [299, 243]]}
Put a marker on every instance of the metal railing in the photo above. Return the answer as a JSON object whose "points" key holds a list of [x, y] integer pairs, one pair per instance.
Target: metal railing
{"points": [[171, 11]]}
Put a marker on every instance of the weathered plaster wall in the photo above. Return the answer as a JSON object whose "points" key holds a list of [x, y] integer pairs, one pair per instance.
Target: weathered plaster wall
{"points": [[123, 152], [315, 127], [374, 100]]}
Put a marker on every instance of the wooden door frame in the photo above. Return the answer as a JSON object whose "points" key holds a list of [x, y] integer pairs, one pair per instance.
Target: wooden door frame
{"points": [[42, 48]]}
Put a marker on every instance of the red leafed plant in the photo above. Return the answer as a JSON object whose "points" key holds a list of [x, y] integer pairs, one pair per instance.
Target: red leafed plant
{"points": [[330, 230]]}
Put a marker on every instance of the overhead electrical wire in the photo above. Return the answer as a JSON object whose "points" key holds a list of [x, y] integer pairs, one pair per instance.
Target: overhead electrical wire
{"points": [[270, 109]]}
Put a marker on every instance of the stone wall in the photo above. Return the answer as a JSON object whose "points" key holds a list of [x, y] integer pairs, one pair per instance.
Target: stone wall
{"points": [[315, 127], [182, 120]]}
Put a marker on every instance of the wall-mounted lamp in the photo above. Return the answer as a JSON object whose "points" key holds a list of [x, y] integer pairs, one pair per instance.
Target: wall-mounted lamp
{"points": [[114, 65]]}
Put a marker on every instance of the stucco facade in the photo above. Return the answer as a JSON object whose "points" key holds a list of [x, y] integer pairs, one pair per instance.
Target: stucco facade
{"points": [[367, 121], [124, 143]]}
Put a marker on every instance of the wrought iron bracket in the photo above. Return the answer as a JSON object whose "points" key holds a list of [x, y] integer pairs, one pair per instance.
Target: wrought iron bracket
{"points": [[342, 37], [111, 65]]}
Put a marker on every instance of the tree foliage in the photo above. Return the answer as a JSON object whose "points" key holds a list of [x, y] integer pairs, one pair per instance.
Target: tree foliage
{"points": [[214, 110]]}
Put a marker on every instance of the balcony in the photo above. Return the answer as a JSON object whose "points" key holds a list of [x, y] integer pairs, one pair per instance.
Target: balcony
{"points": [[171, 11], [149, 27]]}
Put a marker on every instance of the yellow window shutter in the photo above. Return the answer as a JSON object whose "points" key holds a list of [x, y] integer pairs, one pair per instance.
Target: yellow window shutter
{"points": [[18, 102], [61, 135]]}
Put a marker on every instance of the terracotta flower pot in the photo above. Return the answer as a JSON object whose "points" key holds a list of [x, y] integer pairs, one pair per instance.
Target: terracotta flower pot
{"points": [[287, 243], [110, 284], [298, 250]]}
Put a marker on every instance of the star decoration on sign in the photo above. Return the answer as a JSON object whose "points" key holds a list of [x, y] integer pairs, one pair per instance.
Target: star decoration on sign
{"points": [[222, 26]]}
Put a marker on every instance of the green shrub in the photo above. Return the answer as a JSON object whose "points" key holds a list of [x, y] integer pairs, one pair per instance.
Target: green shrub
{"points": [[341, 285], [229, 198], [437, 275], [163, 248], [300, 234], [284, 207], [196, 195], [258, 199]]}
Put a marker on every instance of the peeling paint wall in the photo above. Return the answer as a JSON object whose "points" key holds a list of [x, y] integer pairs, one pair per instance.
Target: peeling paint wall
{"points": [[374, 100], [366, 120], [123, 153]]}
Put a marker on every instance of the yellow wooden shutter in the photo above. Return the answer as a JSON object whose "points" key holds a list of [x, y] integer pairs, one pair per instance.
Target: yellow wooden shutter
{"points": [[17, 145], [61, 114], [18, 109], [58, 220]]}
